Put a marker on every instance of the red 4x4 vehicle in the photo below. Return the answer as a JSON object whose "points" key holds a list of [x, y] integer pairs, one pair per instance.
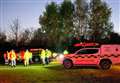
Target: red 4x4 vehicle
{"points": [[102, 57]]}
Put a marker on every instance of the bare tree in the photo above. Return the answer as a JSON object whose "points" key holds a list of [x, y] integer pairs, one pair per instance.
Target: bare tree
{"points": [[2, 37], [25, 36], [14, 30]]}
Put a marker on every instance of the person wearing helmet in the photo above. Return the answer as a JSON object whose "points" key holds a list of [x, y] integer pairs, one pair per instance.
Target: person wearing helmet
{"points": [[9, 57], [26, 58], [43, 56], [65, 52], [13, 58], [6, 58], [48, 55], [31, 58]]}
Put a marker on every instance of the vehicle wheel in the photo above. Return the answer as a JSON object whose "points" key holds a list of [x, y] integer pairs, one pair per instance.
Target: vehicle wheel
{"points": [[36, 59], [105, 64], [67, 64]]}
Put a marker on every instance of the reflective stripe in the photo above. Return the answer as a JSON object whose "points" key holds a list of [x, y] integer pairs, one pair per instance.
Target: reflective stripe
{"points": [[112, 55], [95, 56]]}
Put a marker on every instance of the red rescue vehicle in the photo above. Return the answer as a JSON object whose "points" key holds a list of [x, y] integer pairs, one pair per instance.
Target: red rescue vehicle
{"points": [[102, 57]]}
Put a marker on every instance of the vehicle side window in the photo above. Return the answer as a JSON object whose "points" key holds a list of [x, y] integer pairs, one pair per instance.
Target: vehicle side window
{"points": [[88, 51]]}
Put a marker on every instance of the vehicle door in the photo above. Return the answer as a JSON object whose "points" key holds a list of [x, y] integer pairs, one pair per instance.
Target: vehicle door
{"points": [[87, 56]]}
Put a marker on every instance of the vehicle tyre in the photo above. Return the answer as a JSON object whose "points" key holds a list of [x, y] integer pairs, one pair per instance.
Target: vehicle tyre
{"points": [[67, 64], [105, 64], [36, 59]]}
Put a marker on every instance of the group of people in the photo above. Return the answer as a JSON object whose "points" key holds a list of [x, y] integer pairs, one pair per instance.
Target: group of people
{"points": [[11, 57], [26, 56], [45, 56]]}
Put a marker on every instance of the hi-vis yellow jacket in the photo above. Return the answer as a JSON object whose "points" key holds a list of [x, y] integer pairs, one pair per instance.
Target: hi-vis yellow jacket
{"points": [[12, 55], [27, 55], [43, 53], [48, 53]]}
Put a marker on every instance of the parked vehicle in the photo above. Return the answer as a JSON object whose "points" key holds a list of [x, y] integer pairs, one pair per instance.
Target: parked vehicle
{"points": [[36, 58], [103, 57]]}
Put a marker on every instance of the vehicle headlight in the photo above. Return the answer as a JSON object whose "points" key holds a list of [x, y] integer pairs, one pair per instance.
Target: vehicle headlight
{"points": [[61, 56]]}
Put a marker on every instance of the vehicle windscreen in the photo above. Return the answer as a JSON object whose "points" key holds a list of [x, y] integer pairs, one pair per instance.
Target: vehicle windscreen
{"points": [[88, 51]]}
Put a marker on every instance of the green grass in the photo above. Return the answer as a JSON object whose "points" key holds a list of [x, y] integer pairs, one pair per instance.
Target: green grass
{"points": [[56, 73]]}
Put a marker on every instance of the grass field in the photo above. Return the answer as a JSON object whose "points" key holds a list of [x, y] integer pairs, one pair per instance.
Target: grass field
{"points": [[55, 73]]}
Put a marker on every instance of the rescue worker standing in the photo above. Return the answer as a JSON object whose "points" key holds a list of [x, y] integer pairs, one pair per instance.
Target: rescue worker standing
{"points": [[26, 58], [65, 52], [48, 55], [5, 58], [31, 57], [9, 57], [43, 56], [13, 58]]}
